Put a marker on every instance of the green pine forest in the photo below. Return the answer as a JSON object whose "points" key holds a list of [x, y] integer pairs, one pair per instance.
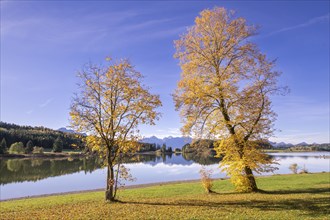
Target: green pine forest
{"points": [[40, 136]]}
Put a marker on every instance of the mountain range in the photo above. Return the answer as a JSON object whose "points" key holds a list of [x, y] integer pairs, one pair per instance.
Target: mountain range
{"points": [[174, 142], [179, 142]]}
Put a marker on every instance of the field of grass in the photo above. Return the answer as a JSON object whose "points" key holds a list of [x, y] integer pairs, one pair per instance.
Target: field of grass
{"points": [[302, 196]]}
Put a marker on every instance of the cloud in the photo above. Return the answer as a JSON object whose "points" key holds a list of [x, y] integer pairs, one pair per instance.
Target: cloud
{"points": [[115, 29], [324, 18], [29, 112], [42, 105]]}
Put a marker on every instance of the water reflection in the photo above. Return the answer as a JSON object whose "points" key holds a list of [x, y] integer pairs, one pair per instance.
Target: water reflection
{"points": [[19, 170], [27, 177]]}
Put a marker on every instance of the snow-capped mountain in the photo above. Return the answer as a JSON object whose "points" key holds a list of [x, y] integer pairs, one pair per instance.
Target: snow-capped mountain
{"points": [[66, 130]]}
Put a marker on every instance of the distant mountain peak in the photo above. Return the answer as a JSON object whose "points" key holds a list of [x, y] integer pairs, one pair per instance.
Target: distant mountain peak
{"points": [[63, 129], [170, 141], [281, 144]]}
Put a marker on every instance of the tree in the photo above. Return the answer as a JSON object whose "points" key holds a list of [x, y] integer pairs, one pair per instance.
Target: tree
{"points": [[224, 92], [163, 149], [3, 146], [294, 168], [29, 147], [110, 105], [17, 148], [58, 145]]}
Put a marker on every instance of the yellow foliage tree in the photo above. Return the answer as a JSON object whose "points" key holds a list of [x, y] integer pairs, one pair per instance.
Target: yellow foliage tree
{"points": [[224, 92], [109, 106]]}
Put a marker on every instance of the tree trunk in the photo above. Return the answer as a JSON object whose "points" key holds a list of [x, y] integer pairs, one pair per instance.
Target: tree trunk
{"points": [[109, 193], [252, 181]]}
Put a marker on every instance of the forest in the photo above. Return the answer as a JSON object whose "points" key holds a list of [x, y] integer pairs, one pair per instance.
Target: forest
{"points": [[40, 136]]}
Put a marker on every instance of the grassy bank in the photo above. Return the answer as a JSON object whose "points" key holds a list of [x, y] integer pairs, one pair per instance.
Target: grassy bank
{"points": [[304, 196]]}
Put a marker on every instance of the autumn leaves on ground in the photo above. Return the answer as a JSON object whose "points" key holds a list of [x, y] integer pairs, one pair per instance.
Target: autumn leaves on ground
{"points": [[299, 196]]}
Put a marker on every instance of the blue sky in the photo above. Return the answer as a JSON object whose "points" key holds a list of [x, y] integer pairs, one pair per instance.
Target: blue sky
{"points": [[44, 44]]}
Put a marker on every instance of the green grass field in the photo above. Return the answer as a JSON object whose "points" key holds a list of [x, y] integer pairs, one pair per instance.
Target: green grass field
{"points": [[301, 196]]}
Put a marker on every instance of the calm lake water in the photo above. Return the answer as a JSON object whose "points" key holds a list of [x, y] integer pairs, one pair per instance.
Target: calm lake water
{"points": [[29, 177]]}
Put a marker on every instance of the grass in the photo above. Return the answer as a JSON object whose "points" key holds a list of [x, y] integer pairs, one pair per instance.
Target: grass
{"points": [[301, 196]]}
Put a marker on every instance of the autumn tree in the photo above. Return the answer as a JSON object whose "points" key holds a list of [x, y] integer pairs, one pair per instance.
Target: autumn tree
{"points": [[224, 92], [110, 104]]}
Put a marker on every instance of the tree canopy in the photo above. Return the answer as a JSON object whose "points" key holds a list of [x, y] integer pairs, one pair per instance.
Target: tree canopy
{"points": [[110, 104], [224, 91]]}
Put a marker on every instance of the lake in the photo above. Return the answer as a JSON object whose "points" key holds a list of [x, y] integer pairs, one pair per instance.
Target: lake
{"points": [[30, 177]]}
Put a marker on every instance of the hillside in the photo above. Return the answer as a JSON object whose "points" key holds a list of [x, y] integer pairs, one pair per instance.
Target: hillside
{"points": [[40, 136]]}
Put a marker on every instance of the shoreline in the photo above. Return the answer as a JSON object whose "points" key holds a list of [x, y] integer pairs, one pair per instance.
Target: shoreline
{"points": [[143, 185], [52, 155]]}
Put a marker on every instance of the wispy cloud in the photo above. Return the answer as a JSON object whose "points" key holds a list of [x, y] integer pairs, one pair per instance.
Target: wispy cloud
{"points": [[29, 112], [324, 18], [47, 102], [122, 27]]}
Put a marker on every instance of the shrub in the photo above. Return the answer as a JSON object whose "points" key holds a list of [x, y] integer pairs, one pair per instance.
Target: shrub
{"points": [[294, 168], [17, 148], [303, 170], [38, 150], [207, 182]]}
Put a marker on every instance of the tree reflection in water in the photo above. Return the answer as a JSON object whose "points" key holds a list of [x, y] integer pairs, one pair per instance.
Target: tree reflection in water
{"points": [[27, 169]]}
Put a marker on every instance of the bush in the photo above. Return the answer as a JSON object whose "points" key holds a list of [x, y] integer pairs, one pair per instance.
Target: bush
{"points": [[207, 182], [294, 168], [303, 170], [38, 150], [17, 148]]}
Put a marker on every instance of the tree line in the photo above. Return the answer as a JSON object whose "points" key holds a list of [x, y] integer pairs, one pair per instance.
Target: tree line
{"points": [[43, 137]]}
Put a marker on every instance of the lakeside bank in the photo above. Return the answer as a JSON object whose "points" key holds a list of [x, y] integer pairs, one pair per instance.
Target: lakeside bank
{"points": [[294, 196]]}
